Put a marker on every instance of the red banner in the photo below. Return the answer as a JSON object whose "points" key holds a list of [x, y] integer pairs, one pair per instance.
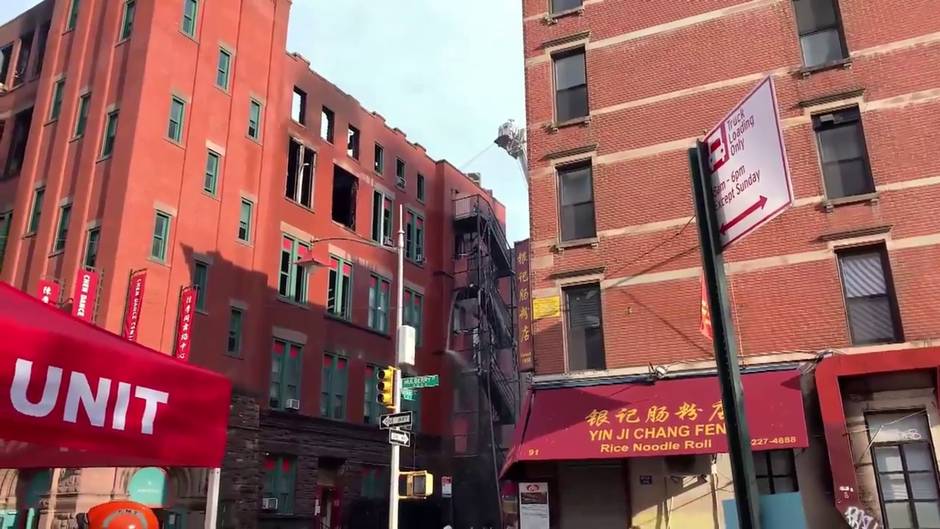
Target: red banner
{"points": [[705, 326], [524, 307], [49, 291], [85, 295], [184, 323], [135, 299]]}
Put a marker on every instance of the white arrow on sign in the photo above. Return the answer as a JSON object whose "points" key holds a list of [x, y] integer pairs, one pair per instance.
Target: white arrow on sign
{"points": [[399, 437], [396, 420]]}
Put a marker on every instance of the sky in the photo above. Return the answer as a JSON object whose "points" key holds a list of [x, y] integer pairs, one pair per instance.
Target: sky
{"points": [[445, 73]]}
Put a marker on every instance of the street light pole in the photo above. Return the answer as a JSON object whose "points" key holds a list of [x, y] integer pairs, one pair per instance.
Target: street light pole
{"points": [[399, 320]]}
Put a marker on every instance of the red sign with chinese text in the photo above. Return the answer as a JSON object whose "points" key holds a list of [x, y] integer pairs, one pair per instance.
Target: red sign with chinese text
{"points": [[524, 307], [668, 417], [85, 295], [705, 327], [184, 324], [49, 291], [135, 299]]}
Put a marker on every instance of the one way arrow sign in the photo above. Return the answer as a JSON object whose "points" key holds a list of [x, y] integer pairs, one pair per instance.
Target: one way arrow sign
{"points": [[396, 420]]}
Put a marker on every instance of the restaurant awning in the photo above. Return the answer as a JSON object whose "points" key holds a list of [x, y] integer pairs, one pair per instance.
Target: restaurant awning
{"points": [[74, 395], [661, 418]]}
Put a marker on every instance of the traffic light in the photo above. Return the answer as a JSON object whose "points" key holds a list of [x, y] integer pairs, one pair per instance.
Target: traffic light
{"points": [[386, 387], [416, 485]]}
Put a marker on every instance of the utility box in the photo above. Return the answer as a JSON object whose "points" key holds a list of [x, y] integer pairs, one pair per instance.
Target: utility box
{"points": [[405, 346]]}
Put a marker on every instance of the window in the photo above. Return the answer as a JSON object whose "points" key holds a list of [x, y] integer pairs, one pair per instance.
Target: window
{"points": [[300, 166], [335, 380], [73, 16], [560, 6], [585, 334], [81, 117], [412, 315], [400, 178], [161, 235], [371, 409], [352, 143], [285, 374], [298, 108], [174, 130], [776, 472], [870, 303], [22, 61], [21, 125], [6, 55], [843, 153], [421, 187], [280, 476], [254, 120], [110, 131], [820, 32], [339, 297], [379, 290], [211, 182], [234, 346], [41, 48], [62, 231], [34, 217], [190, 11], [6, 219], [127, 22], [91, 248], [381, 218], [345, 189], [292, 280], [244, 220], [379, 159], [571, 96], [905, 468], [56, 107], [576, 184], [201, 282], [326, 124], [414, 237], [223, 69]]}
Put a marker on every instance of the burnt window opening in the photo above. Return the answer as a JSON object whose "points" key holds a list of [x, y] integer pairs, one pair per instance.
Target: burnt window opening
{"points": [[345, 187], [352, 142], [22, 61], [300, 165], [41, 47], [327, 119], [6, 55], [21, 125]]}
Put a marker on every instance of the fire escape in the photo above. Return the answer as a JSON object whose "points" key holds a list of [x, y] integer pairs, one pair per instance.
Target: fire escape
{"points": [[484, 343]]}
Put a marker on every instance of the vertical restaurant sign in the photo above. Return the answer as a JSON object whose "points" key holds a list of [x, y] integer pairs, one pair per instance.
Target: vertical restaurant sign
{"points": [[523, 307], [705, 326], [184, 324], [134, 304], [49, 291], [85, 295]]}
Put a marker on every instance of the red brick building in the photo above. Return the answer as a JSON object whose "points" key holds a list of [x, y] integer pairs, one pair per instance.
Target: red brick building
{"points": [[174, 137], [617, 92]]}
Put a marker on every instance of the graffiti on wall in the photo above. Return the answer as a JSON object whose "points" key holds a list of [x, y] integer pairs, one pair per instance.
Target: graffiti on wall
{"points": [[859, 519]]}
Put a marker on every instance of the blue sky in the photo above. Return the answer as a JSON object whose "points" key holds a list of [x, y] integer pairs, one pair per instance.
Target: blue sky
{"points": [[446, 75]]}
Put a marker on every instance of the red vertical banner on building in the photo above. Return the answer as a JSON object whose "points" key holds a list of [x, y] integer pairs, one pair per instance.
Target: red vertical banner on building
{"points": [[705, 326], [523, 307], [184, 323], [85, 295], [49, 291], [134, 304]]}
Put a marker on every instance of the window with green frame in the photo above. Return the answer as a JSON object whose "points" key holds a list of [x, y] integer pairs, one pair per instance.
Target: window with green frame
{"points": [[81, 115], [414, 406], [161, 236], [190, 12], [62, 231], [285, 373], [174, 129], [254, 120], [91, 248], [244, 220], [201, 281], [339, 297], [371, 409], [413, 312], [110, 132], [36, 214], [127, 21], [379, 294], [381, 218], [292, 279], [6, 218], [234, 345], [280, 478], [334, 385], [414, 236], [73, 16], [223, 68], [421, 187], [56, 107], [374, 483], [211, 182]]}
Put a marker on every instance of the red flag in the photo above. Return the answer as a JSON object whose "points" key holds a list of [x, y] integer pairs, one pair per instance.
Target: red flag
{"points": [[49, 291], [705, 326], [135, 299], [184, 324], [85, 295]]}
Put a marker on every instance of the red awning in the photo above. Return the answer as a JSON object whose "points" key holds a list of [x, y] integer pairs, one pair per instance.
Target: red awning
{"points": [[74, 395], [668, 417]]}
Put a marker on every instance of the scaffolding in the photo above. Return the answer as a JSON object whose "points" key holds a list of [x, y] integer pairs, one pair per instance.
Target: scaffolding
{"points": [[487, 392]]}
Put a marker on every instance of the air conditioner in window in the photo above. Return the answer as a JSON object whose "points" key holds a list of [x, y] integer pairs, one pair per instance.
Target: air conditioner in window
{"points": [[292, 404], [269, 504], [387, 241]]}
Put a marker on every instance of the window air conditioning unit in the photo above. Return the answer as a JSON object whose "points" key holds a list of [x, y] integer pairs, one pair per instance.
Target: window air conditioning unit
{"points": [[387, 241], [292, 404], [269, 504]]}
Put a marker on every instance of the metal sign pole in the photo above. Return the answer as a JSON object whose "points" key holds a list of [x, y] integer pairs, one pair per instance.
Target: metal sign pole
{"points": [[399, 320], [726, 354]]}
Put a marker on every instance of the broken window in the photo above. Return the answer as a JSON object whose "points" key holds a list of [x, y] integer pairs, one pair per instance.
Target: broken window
{"points": [[352, 143], [379, 159], [41, 48], [414, 237], [345, 186], [6, 55], [300, 164], [298, 108], [326, 124], [22, 62], [381, 218], [421, 190], [400, 173], [21, 124]]}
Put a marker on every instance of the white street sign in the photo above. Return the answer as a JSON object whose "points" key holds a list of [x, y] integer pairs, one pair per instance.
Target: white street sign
{"points": [[396, 420], [750, 177], [399, 437]]}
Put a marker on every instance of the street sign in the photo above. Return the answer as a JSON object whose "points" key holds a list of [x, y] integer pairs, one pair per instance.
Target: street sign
{"points": [[425, 381], [750, 178], [408, 394], [399, 438], [447, 486], [396, 420]]}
